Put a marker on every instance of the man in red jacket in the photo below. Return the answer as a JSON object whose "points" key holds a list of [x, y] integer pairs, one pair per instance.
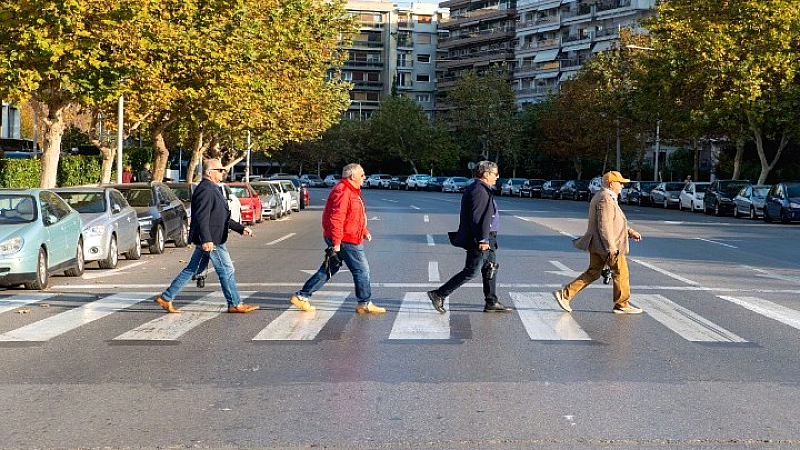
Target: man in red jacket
{"points": [[344, 228]]}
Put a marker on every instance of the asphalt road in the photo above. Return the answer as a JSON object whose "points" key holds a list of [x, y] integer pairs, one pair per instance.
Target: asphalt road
{"points": [[713, 364]]}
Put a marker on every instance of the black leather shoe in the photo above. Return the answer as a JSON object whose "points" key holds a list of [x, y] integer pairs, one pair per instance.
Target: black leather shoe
{"points": [[437, 300], [496, 307]]}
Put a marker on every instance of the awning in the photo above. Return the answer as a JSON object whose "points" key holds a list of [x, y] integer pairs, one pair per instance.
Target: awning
{"points": [[551, 27], [567, 75], [546, 75], [546, 55], [549, 5], [564, 2], [576, 47], [601, 46]]}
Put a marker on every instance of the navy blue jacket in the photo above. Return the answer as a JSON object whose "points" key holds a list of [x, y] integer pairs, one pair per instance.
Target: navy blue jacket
{"points": [[477, 212], [211, 217]]}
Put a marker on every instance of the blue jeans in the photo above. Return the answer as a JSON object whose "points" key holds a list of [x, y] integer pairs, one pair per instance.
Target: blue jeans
{"points": [[353, 256], [221, 260]]}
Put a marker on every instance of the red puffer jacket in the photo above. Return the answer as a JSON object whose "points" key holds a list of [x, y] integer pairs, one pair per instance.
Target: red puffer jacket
{"points": [[344, 218]]}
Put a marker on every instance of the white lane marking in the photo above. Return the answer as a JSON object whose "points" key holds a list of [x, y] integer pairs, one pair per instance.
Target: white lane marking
{"points": [[418, 320], [563, 270], [281, 239], [767, 309], [665, 272], [19, 300], [544, 321], [313, 271], [715, 242], [111, 273], [414, 207], [425, 218], [433, 271], [53, 326], [390, 201], [687, 324], [430, 240], [297, 325], [765, 274], [170, 327]]}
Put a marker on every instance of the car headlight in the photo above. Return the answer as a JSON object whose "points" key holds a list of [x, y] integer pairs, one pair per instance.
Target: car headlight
{"points": [[794, 205], [146, 221], [272, 203], [11, 246], [725, 200], [95, 231], [245, 208]]}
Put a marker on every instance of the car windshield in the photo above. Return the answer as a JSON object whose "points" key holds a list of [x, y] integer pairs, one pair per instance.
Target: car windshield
{"points": [[240, 191], [732, 188], [17, 209], [138, 197], [184, 194], [760, 192], [85, 202], [556, 183], [793, 190], [460, 179], [648, 185], [674, 186], [582, 184]]}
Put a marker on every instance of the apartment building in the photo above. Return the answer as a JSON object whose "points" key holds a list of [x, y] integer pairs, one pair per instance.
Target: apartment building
{"points": [[556, 37], [395, 47], [9, 121]]}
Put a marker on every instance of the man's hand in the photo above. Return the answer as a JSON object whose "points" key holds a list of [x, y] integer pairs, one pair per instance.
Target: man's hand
{"points": [[633, 234], [337, 248], [368, 237], [247, 231], [483, 246], [208, 246]]}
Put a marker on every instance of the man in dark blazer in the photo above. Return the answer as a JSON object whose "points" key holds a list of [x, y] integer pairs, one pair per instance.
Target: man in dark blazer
{"points": [[477, 234], [211, 220]]}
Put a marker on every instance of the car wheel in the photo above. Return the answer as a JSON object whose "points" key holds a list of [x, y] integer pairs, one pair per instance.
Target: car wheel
{"points": [[113, 256], [639, 201], [156, 246], [735, 212], [752, 213], [767, 217], [717, 212], [784, 216], [78, 269], [680, 205], [42, 276], [136, 252], [183, 235]]}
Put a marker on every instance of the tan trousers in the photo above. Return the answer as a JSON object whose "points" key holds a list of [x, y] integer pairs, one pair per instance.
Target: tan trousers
{"points": [[619, 275]]}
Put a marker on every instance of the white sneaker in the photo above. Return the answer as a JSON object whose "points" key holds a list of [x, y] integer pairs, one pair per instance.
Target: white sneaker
{"points": [[630, 309]]}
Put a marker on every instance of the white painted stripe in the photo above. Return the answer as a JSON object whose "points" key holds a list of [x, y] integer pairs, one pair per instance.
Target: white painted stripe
{"points": [[687, 324], [430, 240], [571, 236], [543, 319], [414, 207], [433, 271], [426, 219], [665, 272], [561, 266], [418, 320], [112, 272], [20, 300], [281, 239], [768, 309], [297, 325], [46, 329], [390, 201], [170, 327], [715, 242]]}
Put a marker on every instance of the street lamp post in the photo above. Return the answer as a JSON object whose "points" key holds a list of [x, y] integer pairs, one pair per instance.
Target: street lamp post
{"points": [[657, 151]]}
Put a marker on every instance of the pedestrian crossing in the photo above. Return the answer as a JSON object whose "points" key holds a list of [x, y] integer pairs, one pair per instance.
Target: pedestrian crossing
{"points": [[414, 321]]}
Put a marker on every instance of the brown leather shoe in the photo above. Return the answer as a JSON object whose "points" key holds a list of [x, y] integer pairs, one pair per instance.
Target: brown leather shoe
{"points": [[242, 308], [167, 305]]}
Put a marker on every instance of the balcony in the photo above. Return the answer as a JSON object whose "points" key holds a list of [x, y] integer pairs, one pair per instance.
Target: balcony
{"points": [[475, 37], [477, 16], [607, 5], [370, 85], [542, 21], [538, 45], [352, 64], [477, 58], [367, 44]]}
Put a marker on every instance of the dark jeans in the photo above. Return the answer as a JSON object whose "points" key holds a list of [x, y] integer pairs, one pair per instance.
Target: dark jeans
{"points": [[472, 266]]}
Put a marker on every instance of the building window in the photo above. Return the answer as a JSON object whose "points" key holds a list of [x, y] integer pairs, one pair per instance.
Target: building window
{"points": [[424, 19], [423, 78], [347, 76], [424, 58], [423, 38], [423, 98]]}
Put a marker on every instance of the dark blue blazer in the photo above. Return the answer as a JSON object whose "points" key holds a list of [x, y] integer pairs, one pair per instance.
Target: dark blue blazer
{"points": [[211, 217], [477, 212]]}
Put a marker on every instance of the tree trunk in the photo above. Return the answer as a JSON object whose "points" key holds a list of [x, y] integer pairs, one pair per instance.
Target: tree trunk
{"points": [[737, 159], [160, 151], [51, 144], [766, 166], [696, 162], [194, 159]]}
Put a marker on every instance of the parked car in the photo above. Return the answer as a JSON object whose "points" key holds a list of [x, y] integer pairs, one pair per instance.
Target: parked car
{"points": [[301, 196], [783, 202], [162, 217], [719, 196], [398, 182], [251, 202], [574, 190], [511, 186], [531, 188], [623, 193], [233, 203], [417, 181], [109, 225], [749, 202], [312, 180], [286, 197], [332, 179], [183, 191], [40, 234], [639, 193], [455, 184], [498, 185], [596, 185], [271, 202], [378, 180], [435, 184], [550, 187], [691, 197], [666, 194]]}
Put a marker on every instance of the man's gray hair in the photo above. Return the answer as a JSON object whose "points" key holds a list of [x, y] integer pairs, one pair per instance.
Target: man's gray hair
{"points": [[207, 163], [485, 167], [350, 169]]}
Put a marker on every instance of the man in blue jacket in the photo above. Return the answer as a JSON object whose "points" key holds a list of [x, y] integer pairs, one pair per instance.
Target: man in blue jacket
{"points": [[477, 234], [211, 220]]}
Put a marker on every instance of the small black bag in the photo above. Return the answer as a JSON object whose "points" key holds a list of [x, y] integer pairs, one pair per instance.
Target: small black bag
{"points": [[332, 261]]}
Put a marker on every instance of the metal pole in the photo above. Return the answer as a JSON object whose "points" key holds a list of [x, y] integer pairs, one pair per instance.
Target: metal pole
{"points": [[247, 166], [120, 125], [619, 150], [657, 151]]}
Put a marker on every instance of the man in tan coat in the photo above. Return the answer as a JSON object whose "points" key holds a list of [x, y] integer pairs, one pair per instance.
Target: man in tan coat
{"points": [[606, 240]]}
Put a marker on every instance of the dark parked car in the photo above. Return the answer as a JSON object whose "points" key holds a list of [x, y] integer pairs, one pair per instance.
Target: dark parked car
{"points": [[549, 188], [666, 194], [574, 189], [719, 196], [498, 185], [783, 202], [511, 186], [531, 188], [750, 201], [639, 192], [398, 182], [435, 184], [162, 216]]}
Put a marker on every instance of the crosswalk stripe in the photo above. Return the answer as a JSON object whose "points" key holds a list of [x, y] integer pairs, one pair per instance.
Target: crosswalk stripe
{"points": [[46, 329], [687, 324], [768, 309], [19, 300], [543, 321], [418, 320], [433, 271], [296, 325], [169, 327]]}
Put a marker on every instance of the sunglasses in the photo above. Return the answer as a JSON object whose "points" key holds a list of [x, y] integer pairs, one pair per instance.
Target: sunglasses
{"points": [[217, 170]]}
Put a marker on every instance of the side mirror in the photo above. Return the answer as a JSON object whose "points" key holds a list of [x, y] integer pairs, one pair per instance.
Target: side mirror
{"points": [[50, 219], [116, 208]]}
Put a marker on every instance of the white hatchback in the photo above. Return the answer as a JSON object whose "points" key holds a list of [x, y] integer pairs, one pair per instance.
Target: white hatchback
{"points": [[691, 197]]}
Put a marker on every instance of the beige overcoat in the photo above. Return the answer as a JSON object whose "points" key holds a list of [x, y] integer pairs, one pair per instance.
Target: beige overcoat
{"points": [[607, 230]]}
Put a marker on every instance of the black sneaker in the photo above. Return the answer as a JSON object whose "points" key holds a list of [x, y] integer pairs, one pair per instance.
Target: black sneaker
{"points": [[438, 301], [496, 307]]}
